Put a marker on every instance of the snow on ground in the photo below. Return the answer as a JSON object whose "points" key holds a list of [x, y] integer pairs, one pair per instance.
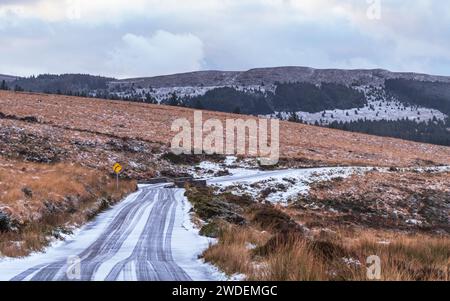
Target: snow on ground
{"points": [[243, 177], [74, 244], [379, 107], [433, 169], [280, 186], [186, 244], [166, 93], [230, 165], [373, 111]]}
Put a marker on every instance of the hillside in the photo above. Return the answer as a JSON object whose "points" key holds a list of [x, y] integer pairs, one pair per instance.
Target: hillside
{"points": [[64, 126], [48, 141], [65, 83], [369, 101], [375, 101], [270, 76], [7, 78]]}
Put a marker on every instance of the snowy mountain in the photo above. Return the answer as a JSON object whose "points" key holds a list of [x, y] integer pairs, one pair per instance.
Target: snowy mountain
{"points": [[270, 76], [261, 85], [376, 100], [379, 106], [7, 78]]}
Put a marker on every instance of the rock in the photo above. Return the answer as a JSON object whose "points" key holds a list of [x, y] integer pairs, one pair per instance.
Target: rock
{"points": [[279, 240], [103, 204], [51, 207], [222, 173], [5, 222], [219, 209], [329, 250], [281, 187], [267, 191], [60, 232], [31, 119], [28, 192], [71, 203], [211, 229], [271, 218]]}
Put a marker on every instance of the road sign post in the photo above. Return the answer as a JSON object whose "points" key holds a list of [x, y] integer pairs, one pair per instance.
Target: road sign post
{"points": [[117, 168]]}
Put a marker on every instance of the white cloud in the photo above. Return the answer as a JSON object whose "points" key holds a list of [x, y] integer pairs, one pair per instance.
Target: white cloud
{"points": [[113, 37], [162, 53]]}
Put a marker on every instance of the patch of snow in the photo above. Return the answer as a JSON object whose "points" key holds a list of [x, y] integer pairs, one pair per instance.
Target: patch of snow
{"points": [[207, 165], [286, 184], [413, 222], [384, 242], [166, 93], [379, 106], [250, 246], [188, 244], [230, 160], [351, 262], [237, 277], [230, 164]]}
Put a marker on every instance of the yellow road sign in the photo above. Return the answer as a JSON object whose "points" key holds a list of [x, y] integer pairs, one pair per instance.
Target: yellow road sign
{"points": [[117, 168]]}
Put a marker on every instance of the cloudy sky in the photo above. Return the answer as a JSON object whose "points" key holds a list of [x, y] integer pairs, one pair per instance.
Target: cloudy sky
{"points": [[127, 38]]}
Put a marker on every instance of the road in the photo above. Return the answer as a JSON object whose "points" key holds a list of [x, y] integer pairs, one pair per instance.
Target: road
{"points": [[135, 240], [148, 236]]}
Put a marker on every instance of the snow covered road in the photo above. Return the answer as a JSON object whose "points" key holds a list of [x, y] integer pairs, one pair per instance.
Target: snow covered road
{"points": [[148, 236]]}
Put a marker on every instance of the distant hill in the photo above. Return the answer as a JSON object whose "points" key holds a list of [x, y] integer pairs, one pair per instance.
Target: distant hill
{"points": [[372, 101], [304, 91], [64, 83], [270, 76], [7, 78], [399, 104], [92, 131]]}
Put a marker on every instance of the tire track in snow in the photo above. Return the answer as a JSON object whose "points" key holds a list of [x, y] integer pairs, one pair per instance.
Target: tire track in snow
{"points": [[136, 245], [152, 255]]}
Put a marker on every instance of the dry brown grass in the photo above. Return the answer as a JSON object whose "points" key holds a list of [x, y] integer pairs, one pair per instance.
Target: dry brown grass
{"points": [[383, 200], [59, 195], [308, 144], [294, 261], [387, 185], [232, 252], [235, 254], [404, 257]]}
